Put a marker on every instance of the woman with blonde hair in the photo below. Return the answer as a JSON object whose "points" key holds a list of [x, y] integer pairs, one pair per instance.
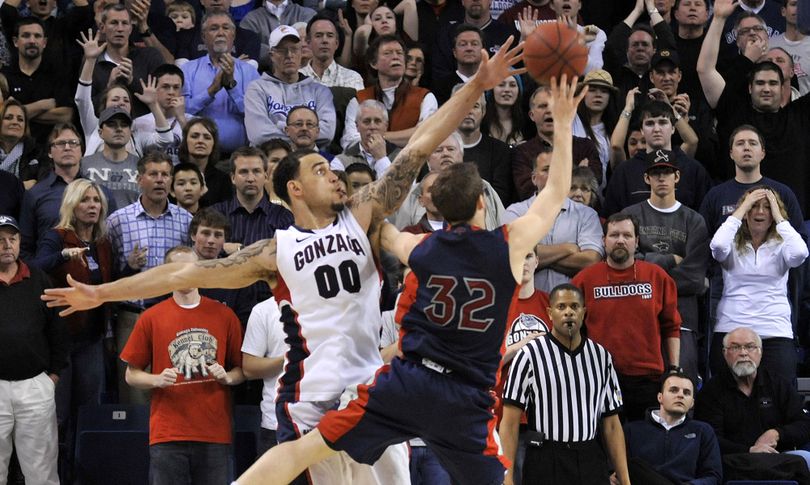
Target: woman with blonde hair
{"points": [[756, 247], [78, 246]]}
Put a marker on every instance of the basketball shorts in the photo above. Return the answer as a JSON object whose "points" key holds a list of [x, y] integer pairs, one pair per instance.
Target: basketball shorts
{"points": [[407, 400]]}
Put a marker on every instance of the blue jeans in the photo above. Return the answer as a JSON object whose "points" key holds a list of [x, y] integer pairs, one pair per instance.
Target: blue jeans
{"points": [[80, 383], [426, 469], [189, 462], [267, 440]]}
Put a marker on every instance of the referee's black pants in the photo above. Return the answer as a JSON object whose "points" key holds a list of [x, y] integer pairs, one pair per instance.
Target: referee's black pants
{"points": [[556, 463]]}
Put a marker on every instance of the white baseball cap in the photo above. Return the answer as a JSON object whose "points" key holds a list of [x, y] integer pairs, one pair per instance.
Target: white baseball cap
{"points": [[282, 32]]}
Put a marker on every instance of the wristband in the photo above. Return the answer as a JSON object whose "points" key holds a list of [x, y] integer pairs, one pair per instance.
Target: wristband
{"points": [[677, 116], [627, 114], [652, 12]]}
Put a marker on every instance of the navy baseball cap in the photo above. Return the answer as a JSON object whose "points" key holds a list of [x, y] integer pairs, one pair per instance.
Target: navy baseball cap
{"points": [[10, 222]]}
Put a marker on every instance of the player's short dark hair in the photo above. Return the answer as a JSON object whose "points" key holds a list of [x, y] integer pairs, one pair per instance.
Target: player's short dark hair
{"points": [[373, 51], [463, 27], [288, 168], [209, 217], [152, 156], [620, 217], [167, 70], [29, 21], [361, 167], [680, 374], [654, 109], [245, 152], [180, 249], [456, 192], [765, 66], [746, 127], [188, 167], [566, 287]]}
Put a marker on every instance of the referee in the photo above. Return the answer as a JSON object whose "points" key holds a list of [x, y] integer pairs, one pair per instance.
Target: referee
{"points": [[566, 384]]}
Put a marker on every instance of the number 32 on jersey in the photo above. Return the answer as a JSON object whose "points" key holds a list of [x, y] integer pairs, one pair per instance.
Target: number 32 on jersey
{"points": [[444, 307]]}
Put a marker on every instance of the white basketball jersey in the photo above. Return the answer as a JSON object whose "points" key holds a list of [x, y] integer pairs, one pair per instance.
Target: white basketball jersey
{"points": [[329, 296]]}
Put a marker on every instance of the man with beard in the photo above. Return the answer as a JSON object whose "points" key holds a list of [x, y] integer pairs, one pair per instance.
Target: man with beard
{"points": [[31, 81], [750, 409], [632, 311]]}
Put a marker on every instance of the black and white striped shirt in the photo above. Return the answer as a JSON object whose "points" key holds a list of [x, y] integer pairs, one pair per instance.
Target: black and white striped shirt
{"points": [[564, 393]]}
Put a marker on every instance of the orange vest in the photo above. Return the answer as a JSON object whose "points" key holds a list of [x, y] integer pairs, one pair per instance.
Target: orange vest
{"points": [[405, 115]]}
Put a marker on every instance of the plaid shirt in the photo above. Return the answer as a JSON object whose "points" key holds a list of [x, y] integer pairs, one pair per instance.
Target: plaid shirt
{"points": [[335, 75], [131, 225]]}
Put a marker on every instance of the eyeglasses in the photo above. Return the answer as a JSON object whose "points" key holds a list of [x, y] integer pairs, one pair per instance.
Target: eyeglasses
{"points": [[66, 143], [750, 348], [289, 51], [748, 30], [301, 124]]}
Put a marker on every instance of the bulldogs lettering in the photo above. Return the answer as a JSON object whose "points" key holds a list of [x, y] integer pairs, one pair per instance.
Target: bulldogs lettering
{"points": [[644, 290]]}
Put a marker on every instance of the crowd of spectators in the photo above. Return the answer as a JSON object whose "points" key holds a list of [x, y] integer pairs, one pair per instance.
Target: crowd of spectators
{"points": [[684, 224]]}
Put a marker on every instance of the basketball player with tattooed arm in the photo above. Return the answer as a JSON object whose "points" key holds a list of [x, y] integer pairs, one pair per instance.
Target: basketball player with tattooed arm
{"points": [[453, 316], [324, 278]]}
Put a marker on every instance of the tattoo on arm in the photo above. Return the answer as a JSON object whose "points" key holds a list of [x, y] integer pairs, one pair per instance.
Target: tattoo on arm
{"points": [[243, 256], [387, 194]]}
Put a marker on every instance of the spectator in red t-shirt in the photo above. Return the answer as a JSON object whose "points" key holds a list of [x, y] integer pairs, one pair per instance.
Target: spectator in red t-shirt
{"points": [[197, 344]]}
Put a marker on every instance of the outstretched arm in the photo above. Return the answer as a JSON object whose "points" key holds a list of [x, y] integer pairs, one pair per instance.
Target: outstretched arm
{"points": [[710, 79], [254, 263], [400, 244], [528, 229], [381, 198]]}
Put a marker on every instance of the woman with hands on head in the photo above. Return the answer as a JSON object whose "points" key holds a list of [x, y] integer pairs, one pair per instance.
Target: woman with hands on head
{"points": [[756, 247]]}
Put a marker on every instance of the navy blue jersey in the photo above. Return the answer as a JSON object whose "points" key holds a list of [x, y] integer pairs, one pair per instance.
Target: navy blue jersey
{"points": [[456, 301]]}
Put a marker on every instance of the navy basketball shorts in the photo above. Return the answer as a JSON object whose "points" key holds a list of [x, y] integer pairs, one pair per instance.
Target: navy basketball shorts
{"points": [[407, 400]]}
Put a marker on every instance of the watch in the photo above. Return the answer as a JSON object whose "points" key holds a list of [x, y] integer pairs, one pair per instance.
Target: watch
{"points": [[231, 85], [652, 12], [674, 369], [627, 114], [147, 33]]}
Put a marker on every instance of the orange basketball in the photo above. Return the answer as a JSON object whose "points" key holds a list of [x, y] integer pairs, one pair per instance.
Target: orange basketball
{"points": [[554, 49]]}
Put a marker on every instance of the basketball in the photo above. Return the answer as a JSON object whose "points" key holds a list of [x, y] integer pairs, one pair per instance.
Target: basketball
{"points": [[554, 49]]}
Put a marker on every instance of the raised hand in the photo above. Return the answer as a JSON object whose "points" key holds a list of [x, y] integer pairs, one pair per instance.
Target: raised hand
{"points": [[148, 94], [527, 20], [564, 101], [724, 8], [681, 104], [344, 25], [776, 212], [76, 297], [92, 49], [226, 66], [630, 100], [495, 70], [137, 258]]}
